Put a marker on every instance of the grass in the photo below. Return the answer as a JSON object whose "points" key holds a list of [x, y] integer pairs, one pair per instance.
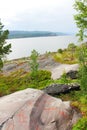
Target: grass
{"points": [[65, 57]]}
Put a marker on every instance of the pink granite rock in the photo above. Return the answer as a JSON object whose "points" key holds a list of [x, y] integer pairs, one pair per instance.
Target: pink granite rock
{"points": [[32, 109]]}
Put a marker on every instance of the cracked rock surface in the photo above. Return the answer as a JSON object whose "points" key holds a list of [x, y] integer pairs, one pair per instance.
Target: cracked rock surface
{"points": [[33, 109]]}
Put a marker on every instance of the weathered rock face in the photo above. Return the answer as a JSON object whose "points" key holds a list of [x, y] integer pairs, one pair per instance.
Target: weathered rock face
{"points": [[55, 89], [34, 110]]}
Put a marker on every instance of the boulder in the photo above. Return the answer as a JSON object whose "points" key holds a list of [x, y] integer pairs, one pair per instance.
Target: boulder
{"points": [[73, 74], [55, 89], [32, 109]]}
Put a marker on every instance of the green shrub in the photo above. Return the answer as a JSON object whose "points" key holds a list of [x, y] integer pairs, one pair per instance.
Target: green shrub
{"points": [[60, 51], [81, 124], [82, 58], [83, 99], [34, 63], [4, 90], [58, 57], [20, 80], [64, 79], [41, 75], [83, 77]]}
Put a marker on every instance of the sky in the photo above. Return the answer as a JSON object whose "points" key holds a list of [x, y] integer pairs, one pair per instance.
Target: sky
{"points": [[38, 15]]}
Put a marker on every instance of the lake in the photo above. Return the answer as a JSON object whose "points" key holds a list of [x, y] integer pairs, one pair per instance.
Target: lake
{"points": [[22, 47]]}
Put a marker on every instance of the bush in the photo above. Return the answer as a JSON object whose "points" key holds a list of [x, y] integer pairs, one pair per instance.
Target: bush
{"points": [[83, 78], [82, 58], [64, 78], [83, 99], [41, 75], [60, 51], [34, 63], [4, 90], [81, 124]]}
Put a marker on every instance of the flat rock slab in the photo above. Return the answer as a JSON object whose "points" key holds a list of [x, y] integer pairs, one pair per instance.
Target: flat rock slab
{"points": [[60, 69], [32, 109]]}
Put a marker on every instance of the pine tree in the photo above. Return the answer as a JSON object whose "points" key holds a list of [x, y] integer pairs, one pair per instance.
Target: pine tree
{"points": [[4, 47]]}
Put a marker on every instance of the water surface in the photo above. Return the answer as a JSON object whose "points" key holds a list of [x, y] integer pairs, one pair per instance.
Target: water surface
{"points": [[22, 47]]}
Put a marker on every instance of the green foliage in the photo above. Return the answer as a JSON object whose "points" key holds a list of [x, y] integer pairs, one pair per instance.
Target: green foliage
{"points": [[33, 63], [36, 75], [83, 78], [82, 54], [64, 79], [41, 78], [71, 47], [81, 104], [20, 80], [81, 21], [82, 57], [13, 82], [60, 50], [58, 57], [1, 63], [83, 99], [4, 49], [3, 87], [43, 75], [81, 124], [65, 58], [80, 101], [81, 18]]}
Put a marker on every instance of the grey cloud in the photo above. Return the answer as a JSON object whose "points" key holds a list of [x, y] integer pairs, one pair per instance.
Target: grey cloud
{"points": [[45, 19]]}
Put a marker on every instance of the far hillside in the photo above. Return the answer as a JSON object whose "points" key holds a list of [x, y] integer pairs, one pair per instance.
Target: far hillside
{"points": [[25, 34]]}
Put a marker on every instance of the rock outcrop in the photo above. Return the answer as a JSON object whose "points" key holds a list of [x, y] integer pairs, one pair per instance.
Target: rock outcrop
{"points": [[55, 89], [32, 109], [45, 63], [57, 72], [73, 74]]}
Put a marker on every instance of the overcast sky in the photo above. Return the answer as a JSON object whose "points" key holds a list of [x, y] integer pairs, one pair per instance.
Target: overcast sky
{"points": [[45, 15]]}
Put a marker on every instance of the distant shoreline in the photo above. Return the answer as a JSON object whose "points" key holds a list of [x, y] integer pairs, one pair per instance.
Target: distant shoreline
{"points": [[32, 34], [41, 37]]}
